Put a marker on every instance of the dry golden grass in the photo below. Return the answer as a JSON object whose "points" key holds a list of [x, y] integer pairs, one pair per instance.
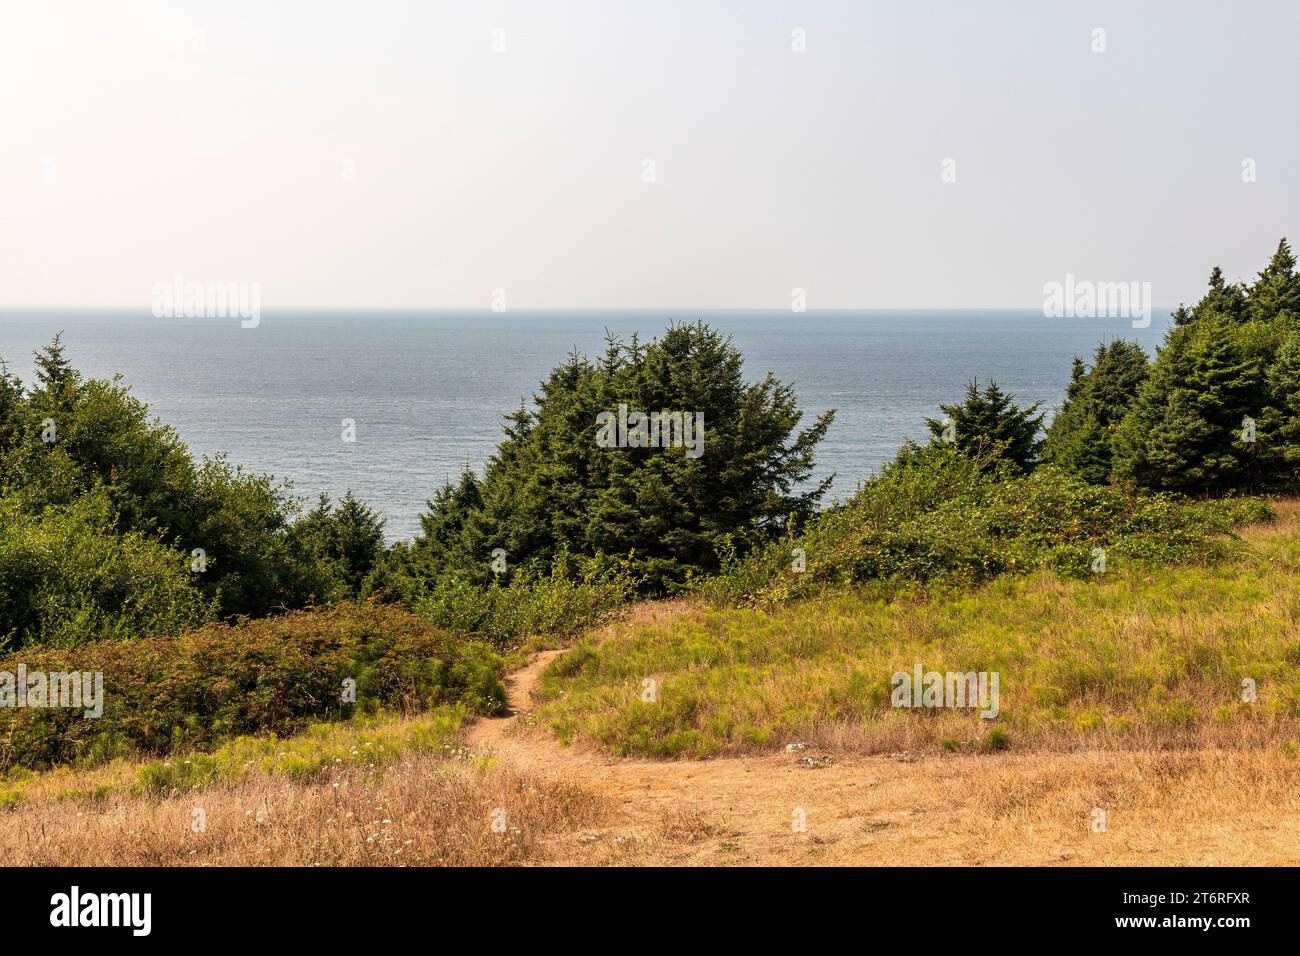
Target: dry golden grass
{"points": [[1208, 808], [426, 811]]}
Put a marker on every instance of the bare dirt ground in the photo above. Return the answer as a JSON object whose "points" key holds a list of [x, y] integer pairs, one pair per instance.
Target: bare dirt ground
{"points": [[1208, 807]]}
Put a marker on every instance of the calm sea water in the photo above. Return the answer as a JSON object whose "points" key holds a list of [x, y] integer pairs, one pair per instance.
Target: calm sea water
{"points": [[427, 390]]}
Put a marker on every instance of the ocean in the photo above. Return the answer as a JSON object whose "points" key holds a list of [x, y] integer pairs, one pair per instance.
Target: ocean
{"points": [[427, 390]]}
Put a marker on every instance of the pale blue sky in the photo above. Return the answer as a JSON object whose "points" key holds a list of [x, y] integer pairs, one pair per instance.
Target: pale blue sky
{"points": [[216, 139]]}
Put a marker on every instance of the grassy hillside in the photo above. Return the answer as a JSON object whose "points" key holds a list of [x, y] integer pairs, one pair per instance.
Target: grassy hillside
{"points": [[1133, 679], [1137, 657]]}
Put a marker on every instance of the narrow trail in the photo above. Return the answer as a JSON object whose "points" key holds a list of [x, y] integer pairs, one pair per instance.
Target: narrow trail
{"points": [[881, 810], [678, 811]]}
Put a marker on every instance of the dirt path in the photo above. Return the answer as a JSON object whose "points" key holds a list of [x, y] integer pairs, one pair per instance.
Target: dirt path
{"points": [[491, 732], [954, 810]]}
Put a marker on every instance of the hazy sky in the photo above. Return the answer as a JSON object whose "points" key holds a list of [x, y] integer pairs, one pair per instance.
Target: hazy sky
{"points": [[383, 154]]}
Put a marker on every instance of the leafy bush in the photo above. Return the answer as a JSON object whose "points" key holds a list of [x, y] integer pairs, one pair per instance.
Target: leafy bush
{"points": [[66, 437], [576, 594], [941, 516], [66, 579], [272, 676]]}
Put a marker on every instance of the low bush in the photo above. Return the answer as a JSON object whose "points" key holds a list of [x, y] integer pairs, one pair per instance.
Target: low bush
{"points": [[940, 516], [66, 578], [576, 594], [272, 676]]}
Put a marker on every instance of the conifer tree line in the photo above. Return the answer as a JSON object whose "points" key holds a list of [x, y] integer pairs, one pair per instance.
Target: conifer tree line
{"points": [[109, 528], [1217, 411]]}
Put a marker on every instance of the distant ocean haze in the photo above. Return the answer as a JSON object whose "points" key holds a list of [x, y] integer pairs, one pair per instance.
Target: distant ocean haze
{"points": [[426, 391]]}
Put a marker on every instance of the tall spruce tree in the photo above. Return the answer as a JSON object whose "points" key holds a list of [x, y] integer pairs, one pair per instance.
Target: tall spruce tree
{"points": [[349, 537], [55, 376], [1277, 287], [1188, 429], [1279, 423], [1081, 435], [1228, 299], [988, 423]]}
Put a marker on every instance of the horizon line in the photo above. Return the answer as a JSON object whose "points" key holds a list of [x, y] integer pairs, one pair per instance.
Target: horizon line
{"points": [[552, 309]]}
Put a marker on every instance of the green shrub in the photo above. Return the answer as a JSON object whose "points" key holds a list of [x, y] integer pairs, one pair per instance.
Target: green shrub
{"points": [[940, 516], [576, 594], [101, 444], [272, 676], [66, 579], [996, 740]]}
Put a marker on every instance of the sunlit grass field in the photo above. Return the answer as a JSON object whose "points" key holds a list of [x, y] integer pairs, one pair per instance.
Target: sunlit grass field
{"points": [[371, 742], [1133, 658]]}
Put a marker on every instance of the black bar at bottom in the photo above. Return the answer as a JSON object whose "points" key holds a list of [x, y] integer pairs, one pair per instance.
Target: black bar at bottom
{"points": [[335, 906]]}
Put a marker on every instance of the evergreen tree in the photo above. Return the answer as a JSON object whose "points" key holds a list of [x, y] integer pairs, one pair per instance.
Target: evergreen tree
{"points": [[1278, 437], [1081, 435], [348, 538], [1277, 288], [1218, 411], [1187, 430], [989, 423], [553, 488], [57, 378], [11, 396], [1230, 300]]}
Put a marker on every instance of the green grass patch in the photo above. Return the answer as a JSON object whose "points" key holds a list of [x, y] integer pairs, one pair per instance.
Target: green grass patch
{"points": [[369, 741], [1137, 655]]}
